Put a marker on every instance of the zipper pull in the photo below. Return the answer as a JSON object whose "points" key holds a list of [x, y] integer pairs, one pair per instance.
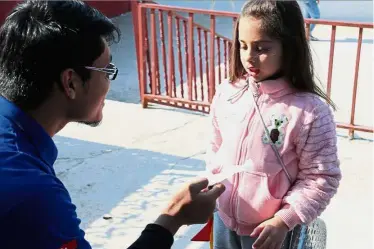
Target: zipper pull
{"points": [[254, 87], [256, 90]]}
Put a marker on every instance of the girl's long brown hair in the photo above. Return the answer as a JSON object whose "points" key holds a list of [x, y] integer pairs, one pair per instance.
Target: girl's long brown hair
{"points": [[284, 21]]}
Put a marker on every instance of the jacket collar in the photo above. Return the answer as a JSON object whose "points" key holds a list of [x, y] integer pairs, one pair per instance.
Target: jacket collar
{"points": [[37, 135], [275, 87]]}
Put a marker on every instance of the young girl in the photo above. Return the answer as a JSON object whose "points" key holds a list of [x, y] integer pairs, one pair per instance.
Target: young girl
{"points": [[295, 170]]}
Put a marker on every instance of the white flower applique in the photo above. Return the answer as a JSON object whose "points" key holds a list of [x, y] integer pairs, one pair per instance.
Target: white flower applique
{"points": [[276, 130]]}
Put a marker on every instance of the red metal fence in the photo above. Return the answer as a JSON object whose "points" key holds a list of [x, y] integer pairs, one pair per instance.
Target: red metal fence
{"points": [[187, 83], [180, 79]]}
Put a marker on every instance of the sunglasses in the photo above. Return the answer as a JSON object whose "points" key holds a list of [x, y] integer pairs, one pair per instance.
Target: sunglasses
{"points": [[111, 71]]}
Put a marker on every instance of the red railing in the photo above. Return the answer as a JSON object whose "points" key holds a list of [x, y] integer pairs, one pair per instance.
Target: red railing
{"points": [[351, 126], [187, 83], [191, 84]]}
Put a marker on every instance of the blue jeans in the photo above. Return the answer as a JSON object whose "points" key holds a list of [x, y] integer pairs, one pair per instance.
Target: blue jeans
{"points": [[310, 10], [224, 238]]}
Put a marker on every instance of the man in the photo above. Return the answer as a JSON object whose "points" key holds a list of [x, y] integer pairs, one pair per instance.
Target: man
{"points": [[55, 68], [311, 10]]}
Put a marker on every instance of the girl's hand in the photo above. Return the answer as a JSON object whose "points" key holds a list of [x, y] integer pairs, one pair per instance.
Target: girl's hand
{"points": [[270, 233]]}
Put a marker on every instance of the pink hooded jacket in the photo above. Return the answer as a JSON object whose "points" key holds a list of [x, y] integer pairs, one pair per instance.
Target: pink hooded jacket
{"points": [[304, 131]]}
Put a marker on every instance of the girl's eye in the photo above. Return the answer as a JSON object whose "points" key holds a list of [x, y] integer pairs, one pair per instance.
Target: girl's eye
{"points": [[262, 49]]}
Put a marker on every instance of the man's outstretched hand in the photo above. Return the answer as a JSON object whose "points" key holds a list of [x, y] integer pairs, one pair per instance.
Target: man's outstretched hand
{"points": [[193, 204]]}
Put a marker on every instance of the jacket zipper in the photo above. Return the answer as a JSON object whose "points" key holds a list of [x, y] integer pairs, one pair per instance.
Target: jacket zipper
{"points": [[234, 199]]}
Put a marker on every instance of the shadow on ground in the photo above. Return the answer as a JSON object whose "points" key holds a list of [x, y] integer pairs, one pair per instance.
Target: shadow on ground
{"points": [[129, 185]]}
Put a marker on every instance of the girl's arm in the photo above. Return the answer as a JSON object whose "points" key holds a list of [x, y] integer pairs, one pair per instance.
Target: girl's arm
{"points": [[319, 172]]}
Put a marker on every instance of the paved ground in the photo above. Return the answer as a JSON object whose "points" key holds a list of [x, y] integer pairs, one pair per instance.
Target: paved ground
{"points": [[129, 166]]}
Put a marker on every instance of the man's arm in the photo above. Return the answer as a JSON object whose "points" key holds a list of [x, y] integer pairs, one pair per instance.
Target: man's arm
{"points": [[158, 235]]}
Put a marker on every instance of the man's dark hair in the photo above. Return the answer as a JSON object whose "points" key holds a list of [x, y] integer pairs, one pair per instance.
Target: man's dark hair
{"points": [[41, 39]]}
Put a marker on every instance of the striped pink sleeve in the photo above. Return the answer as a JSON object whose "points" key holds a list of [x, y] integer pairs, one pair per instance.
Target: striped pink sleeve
{"points": [[214, 137], [319, 172]]}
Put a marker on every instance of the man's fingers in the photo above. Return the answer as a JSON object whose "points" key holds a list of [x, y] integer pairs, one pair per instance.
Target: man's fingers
{"points": [[198, 185], [216, 190]]}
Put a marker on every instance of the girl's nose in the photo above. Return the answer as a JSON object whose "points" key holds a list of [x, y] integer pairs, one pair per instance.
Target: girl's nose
{"points": [[251, 58], [250, 55]]}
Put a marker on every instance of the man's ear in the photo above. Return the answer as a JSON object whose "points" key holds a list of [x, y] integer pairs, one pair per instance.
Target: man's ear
{"points": [[69, 83]]}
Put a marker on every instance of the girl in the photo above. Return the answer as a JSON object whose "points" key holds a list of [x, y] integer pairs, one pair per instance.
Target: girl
{"points": [[271, 112]]}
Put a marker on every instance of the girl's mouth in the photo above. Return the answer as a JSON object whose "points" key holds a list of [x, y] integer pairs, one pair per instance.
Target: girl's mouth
{"points": [[253, 71]]}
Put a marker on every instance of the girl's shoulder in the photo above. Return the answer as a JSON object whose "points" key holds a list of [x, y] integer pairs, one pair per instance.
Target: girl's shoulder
{"points": [[310, 100], [228, 87], [227, 84], [313, 106]]}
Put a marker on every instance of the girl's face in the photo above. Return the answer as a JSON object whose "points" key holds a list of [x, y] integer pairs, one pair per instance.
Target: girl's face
{"points": [[260, 55]]}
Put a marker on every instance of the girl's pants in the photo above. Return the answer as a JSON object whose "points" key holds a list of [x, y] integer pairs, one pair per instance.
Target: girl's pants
{"points": [[224, 238]]}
